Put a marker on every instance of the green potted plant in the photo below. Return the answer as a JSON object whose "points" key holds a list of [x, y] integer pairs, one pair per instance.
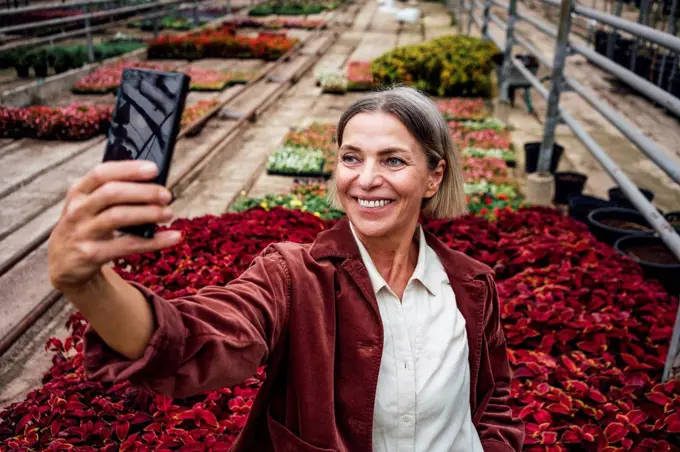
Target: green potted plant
{"points": [[39, 62], [22, 64], [63, 60]]}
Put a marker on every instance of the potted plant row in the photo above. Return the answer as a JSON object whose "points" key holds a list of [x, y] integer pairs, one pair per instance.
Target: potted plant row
{"points": [[76, 122], [219, 43]]}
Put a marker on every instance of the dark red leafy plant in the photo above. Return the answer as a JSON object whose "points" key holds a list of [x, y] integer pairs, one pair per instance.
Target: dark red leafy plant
{"points": [[587, 338]]}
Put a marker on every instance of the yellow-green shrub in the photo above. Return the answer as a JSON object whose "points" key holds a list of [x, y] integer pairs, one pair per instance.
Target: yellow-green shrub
{"points": [[448, 66]]}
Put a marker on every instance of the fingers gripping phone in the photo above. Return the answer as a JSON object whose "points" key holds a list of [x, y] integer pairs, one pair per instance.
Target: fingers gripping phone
{"points": [[146, 122]]}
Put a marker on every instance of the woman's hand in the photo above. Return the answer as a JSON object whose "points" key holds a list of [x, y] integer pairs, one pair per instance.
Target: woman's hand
{"points": [[112, 195]]}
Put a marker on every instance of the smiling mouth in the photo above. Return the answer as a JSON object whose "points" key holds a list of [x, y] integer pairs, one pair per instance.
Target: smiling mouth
{"points": [[374, 204]]}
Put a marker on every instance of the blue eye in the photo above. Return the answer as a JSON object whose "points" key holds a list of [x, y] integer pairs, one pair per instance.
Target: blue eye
{"points": [[394, 161], [347, 158]]}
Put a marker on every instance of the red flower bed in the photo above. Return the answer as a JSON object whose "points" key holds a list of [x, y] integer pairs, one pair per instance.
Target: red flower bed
{"points": [[76, 122], [462, 109], [492, 170], [196, 110], [107, 79], [219, 43], [481, 139], [587, 339], [359, 76]]}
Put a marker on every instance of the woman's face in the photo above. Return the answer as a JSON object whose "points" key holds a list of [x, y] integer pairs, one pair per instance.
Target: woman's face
{"points": [[382, 175]]}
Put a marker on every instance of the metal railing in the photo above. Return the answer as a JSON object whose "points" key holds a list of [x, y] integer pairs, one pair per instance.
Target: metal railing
{"points": [[159, 8], [51, 6], [559, 82]]}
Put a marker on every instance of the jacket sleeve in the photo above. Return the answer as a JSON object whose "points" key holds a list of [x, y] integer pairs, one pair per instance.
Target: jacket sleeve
{"points": [[216, 338], [498, 430]]}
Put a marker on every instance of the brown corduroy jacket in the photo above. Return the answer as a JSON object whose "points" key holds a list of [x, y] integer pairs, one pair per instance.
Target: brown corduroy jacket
{"points": [[310, 314]]}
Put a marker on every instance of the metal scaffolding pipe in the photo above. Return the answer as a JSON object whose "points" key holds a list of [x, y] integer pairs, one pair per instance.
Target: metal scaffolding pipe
{"points": [[51, 6], [545, 28], [642, 31], [552, 116], [645, 87], [84, 17], [630, 131]]}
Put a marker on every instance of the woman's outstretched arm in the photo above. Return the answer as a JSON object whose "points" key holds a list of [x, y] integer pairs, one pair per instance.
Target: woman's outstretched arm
{"points": [[216, 338], [179, 347]]}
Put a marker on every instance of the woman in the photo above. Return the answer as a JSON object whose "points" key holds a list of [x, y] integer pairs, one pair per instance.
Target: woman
{"points": [[376, 336]]}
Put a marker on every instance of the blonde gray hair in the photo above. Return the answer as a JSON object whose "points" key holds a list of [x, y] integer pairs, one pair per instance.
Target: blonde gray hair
{"points": [[425, 123]]}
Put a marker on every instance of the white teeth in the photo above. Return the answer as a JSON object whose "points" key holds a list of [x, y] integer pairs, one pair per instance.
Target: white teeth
{"points": [[374, 204]]}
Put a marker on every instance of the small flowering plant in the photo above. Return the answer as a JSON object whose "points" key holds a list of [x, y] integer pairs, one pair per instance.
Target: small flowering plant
{"points": [[333, 82], [481, 139], [509, 190], [503, 154], [463, 109], [196, 110], [295, 160], [489, 206], [317, 136], [360, 76], [484, 124], [485, 169]]}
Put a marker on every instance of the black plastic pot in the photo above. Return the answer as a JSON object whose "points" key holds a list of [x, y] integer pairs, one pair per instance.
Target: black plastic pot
{"points": [[601, 37], [619, 198], [40, 70], [530, 61], [581, 205], [531, 151], [611, 223], [674, 219], [643, 66], [568, 184], [656, 260], [22, 71]]}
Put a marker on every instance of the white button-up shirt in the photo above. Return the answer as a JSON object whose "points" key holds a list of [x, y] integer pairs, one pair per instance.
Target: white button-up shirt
{"points": [[423, 397]]}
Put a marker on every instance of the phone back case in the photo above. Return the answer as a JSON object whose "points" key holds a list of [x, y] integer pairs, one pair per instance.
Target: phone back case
{"points": [[146, 122]]}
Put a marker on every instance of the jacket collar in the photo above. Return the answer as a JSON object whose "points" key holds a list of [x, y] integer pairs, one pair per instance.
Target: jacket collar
{"points": [[338, 242], [428, 270]]}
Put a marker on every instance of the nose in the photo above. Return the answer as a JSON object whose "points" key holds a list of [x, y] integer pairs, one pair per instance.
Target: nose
{"points": [[369, 175]]}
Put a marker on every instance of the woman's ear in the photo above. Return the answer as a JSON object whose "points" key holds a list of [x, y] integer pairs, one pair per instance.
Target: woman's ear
{"points": [[435, 179]]}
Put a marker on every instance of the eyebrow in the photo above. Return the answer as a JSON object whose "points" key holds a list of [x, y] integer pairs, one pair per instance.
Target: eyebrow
{"points": [[391, 150]]}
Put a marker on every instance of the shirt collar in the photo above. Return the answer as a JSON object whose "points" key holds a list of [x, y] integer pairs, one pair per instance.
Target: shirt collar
{"points": [[429, 271]]}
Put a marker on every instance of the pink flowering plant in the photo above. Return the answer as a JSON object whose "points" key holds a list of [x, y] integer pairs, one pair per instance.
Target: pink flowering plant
{"points": [[107, 79], [481, 139], [462, 109], [359, 76]]}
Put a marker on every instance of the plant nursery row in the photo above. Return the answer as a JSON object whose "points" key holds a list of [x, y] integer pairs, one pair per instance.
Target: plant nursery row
{"points": [[221, 42], [106, 79], [73, 123]]}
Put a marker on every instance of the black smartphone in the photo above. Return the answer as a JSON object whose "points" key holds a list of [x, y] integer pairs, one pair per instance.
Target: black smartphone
{"points": [[146, 121]]}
